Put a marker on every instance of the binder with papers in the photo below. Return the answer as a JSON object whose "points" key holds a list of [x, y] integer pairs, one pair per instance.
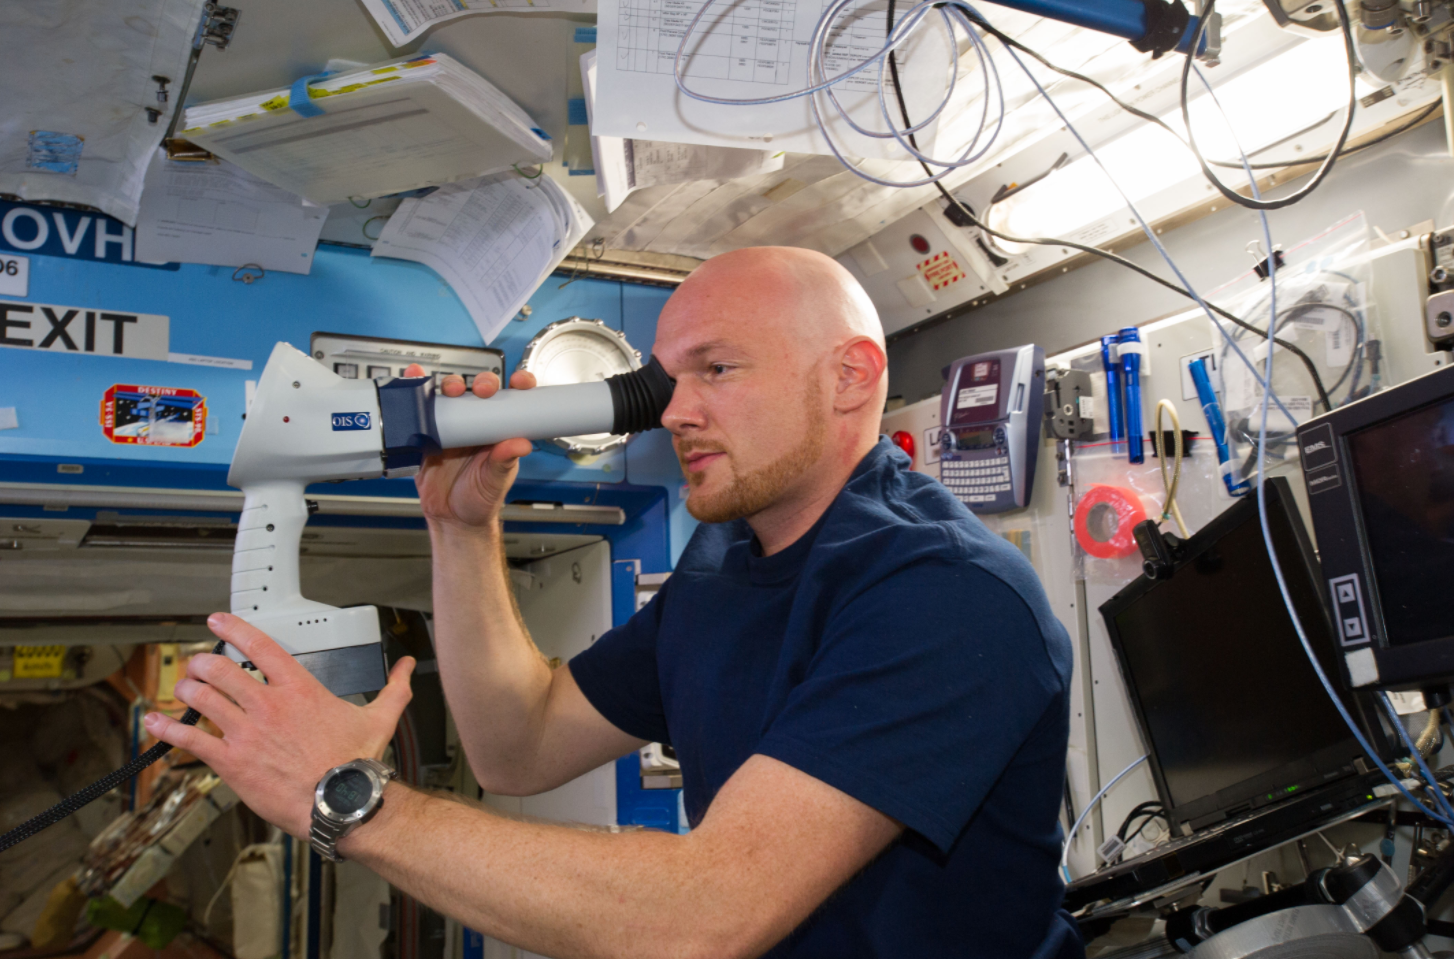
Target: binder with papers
{"points": [[626, 165], [389, 128], [493, 240]]}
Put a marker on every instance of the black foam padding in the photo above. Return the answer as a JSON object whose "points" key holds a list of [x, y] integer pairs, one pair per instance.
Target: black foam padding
{"points": [[348, 669], [639, 398], [97, 789]]}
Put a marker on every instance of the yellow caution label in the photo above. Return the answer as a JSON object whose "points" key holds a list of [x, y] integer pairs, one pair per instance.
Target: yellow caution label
{"points": [[39, 662]]}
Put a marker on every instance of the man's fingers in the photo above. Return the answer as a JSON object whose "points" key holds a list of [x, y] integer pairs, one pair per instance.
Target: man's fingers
{"points": [[227, 676], [452, 385], [522, 380], [210, 703], [504, 453], [413, 369], [204, 746], [395, 695], [486, 385], [258, 648]]}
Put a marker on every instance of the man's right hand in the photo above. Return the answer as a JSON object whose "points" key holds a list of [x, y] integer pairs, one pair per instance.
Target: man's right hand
{"points": [[466, 488]]}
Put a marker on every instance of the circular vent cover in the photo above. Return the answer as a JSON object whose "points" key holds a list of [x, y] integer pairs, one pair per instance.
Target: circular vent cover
{"points": [[576, 350]]}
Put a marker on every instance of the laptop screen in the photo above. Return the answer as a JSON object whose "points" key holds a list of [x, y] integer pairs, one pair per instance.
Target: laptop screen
{"points": [[1231, 708]]}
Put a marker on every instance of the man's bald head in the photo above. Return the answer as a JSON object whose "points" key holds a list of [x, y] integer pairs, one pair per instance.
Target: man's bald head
{"points": [[781, 376], [793, 294]]}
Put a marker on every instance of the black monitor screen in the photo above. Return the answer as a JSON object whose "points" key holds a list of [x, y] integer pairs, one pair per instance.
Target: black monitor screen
{"points": [[1405, 474], [1225, 690]]}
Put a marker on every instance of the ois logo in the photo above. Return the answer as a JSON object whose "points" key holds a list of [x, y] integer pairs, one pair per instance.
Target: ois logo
{"points": [[352, 421]]}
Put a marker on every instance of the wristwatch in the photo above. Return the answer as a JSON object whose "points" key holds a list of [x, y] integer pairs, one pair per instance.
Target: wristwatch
{"points": [[347, 796]]}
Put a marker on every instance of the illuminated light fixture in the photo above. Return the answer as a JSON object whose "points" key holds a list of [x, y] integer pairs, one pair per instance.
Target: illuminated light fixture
{"points": [[1291, 92]]}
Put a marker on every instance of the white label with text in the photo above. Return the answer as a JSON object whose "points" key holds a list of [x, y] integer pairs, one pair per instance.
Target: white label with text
{"points": [[80, 329], [14, 275]]}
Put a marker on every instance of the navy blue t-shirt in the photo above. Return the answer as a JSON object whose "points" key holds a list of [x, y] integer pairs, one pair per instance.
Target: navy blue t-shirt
{"points": [[901, 653]]}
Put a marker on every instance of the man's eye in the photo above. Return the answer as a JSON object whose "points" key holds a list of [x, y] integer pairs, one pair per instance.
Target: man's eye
{"points": [[719, 369]]}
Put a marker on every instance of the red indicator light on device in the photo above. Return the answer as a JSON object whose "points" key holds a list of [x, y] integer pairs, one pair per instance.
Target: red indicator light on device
{"points": [[919, 244], [904, 440]]}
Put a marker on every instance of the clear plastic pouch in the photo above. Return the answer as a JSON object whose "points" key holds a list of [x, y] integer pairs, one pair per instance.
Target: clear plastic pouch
{"points": [[1112, 495], [1324, 311]]}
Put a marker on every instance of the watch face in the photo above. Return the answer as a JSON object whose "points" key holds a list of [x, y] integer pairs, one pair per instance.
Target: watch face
{"points": [[348, 791]]}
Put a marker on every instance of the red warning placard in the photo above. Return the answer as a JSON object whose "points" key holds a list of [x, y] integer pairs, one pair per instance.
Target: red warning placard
{"points": [[940, 270], [153, 415]]}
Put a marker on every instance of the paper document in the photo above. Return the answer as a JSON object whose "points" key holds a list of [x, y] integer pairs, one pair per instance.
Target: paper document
{"points": [[745, 49], [624, 165], [79, 79], [219, 214], [406, 20], [385, 129], [493, 240]]}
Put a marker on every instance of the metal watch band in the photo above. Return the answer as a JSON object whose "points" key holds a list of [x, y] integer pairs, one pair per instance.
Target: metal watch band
{"points": [[323, 836], [324, 833]]}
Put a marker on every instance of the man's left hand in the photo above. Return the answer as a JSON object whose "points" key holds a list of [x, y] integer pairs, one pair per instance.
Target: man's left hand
{"points": [[278, 738]]}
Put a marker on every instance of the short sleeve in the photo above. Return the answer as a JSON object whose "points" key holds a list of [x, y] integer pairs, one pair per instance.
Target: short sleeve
{"points": [[924, 688], [618, 675]]}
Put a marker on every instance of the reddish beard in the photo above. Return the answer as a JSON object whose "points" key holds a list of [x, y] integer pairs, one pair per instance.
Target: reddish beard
{"points": [[749, 493]]}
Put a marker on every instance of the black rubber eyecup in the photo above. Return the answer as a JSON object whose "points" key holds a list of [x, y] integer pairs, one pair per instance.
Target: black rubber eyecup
{"points": [[639, 398]]}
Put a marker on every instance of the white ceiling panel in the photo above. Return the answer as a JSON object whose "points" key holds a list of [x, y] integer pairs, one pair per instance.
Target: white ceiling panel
{"points": [[812, 202]]}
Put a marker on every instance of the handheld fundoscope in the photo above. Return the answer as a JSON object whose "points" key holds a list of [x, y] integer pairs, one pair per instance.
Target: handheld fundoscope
{"points": [[309, 425]]}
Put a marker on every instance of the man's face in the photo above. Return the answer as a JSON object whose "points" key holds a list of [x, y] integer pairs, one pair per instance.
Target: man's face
{"points": [[749, 416]]}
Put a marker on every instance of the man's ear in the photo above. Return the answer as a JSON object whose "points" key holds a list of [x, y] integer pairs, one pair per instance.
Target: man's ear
{"points": [[861, 369]]}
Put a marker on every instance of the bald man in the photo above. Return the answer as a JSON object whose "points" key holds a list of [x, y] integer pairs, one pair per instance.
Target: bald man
{"points": [[866, 689]]}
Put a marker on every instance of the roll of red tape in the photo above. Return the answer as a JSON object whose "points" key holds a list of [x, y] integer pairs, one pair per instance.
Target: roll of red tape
{"points": [[1104, 519]]}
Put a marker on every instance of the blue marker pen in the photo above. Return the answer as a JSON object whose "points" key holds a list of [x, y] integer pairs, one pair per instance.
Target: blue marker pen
{"points": [[1111, 360], [1215, 423], [1129, 340]]}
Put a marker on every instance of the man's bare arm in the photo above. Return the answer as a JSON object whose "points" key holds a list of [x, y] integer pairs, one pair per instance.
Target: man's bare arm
{"points": [[774, 845], [524, 727]]}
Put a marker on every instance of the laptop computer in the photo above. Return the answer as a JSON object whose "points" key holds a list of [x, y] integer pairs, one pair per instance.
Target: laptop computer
{"points": [[1247, 750]]}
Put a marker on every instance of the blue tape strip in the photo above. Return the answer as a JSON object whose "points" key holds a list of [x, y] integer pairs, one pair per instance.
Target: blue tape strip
{"points": [[585, 34], [575, 111], [54, 152], [298, 99], [540, 133]]}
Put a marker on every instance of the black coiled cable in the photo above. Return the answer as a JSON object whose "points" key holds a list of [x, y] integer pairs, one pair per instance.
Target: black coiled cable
{"points": [[99, 788]]}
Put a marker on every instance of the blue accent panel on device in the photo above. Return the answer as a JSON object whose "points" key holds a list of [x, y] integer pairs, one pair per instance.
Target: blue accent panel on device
{"points": [[352, 421], [585, 34], [474, 944], [406, 406], [298, 99]]}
